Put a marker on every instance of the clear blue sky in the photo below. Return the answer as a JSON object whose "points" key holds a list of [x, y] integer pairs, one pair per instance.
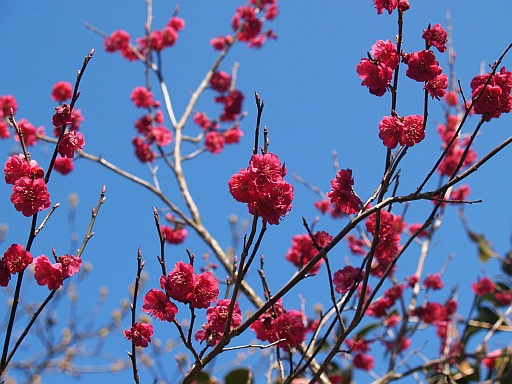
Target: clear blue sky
{"points": [[313, 105]]}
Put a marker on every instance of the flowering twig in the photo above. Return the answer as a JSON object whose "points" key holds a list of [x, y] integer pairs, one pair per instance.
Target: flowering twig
{"points": [[132, 354]]}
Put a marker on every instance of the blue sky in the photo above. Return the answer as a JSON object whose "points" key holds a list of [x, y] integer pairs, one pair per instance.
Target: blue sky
{"points": [[314, 104]]}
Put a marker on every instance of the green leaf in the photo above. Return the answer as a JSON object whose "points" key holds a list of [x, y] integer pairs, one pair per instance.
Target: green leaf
{"points": [[367, 329], [239, 376], [203, 378], [484, 246]]}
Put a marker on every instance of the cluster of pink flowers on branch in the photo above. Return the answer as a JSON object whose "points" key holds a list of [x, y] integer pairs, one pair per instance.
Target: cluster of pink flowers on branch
{"points": [[262, 187]]}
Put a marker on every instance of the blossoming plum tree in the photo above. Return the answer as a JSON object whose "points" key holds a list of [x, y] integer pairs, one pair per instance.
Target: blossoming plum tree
{"points": [[373, 307]]}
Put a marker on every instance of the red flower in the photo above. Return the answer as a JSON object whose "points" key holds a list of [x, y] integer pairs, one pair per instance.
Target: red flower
{"points": [[179, 283], [376, 77], [390, 131], [47, 273], [483, 287], [345, 279], [62, 117], [220, 42], [302, 251], [70, 264], [363, 361], [71, 141], [117, 41], [263, 327], [233, 135], [140, 334], [245, 14], [436, 36], [423, 66], [205, 292], [495, 99], [17, 259], [356, 245], [437, 86], [217, 317], [385, 53], [6, 103], [176, 23], [29, 132], [63, 165], [30, 196], [232, 105], [342, 195], [16, 166], [214, 142], [4, 130], [142, 97], [158, 304], [160, 134], [62, 91], [5, 274], [289, 326], [433, 281], [387, 5], [413, 131], [174, 236], [220, 81], [143, 150]]}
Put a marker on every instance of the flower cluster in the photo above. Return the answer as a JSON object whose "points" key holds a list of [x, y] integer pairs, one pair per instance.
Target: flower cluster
{"points": [[276, 323], [29, 192], [176, 235], [156, 41], [214, 138], [493, 99], [456, 150], [185, 286], [342, 195], [390, 229], [407, 131], [53, 274], [217, 317], [390, 5], [303, 250], [149, 126], [251, 26], [262, 187]]}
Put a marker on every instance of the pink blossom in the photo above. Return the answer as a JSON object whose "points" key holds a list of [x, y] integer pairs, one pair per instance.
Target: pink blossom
{"points": [[16, 166], [179, 283], [16, 258], [214, 142], [142, 97], [7, 102], [436, 36], [30, 196], [140, 334], [205, 291], [47, 273], [342, 195], [158, 304], [63, 165], [71, 141], [70, 265], [345, 279], [62, 91], [423, 66], [377, 77]]}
